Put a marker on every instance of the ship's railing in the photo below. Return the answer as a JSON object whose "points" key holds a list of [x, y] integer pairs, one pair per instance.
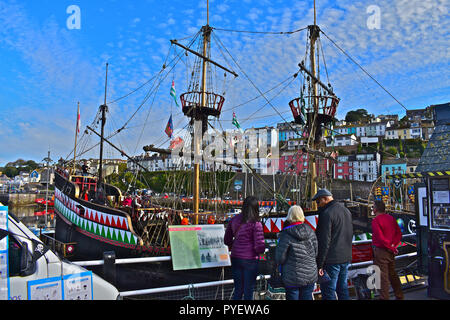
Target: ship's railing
{"points": [[203, 217], [370, 240], [85, 183], [66, 249]]}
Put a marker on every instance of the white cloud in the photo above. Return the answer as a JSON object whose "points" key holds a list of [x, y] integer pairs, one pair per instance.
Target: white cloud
{"points": [[409, 56]]}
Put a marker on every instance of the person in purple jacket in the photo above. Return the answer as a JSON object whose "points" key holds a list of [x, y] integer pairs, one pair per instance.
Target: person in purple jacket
{"points": [[244, 236]]}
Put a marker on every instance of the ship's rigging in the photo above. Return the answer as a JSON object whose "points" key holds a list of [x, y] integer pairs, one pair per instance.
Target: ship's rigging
{"points": [[314, 109]]}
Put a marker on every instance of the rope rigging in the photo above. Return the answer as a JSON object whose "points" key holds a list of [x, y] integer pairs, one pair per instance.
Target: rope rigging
{"points": [[364, 70], [193, 85]]}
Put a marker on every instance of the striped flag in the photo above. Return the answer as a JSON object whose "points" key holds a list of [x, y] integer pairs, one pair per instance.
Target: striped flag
{"points": [[235, 122], [78, 120], [302, 109], [173, 93]]}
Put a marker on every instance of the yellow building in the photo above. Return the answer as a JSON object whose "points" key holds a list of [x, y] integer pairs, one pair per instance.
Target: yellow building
{"points": [[404, 133]]}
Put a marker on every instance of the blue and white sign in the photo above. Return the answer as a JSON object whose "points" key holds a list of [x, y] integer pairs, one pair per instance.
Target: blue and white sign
{"points": [[45, 289], [78, 286], [4, 270], [70, 287]]}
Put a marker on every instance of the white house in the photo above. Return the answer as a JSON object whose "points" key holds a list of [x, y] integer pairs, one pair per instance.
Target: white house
{"points": [[21, 179], [342, 140], [153, 163], [294, 144], [415, 130], [369, 140], [366, 167], [358, 167], [360, 130], [377, 129]]}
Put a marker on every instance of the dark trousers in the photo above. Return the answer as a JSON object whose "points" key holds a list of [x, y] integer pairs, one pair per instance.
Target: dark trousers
{"points": [[384, 259], [244, 273], [300, 293], [338, 285]]}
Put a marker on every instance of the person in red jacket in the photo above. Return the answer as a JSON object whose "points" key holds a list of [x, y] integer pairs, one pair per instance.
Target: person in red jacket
{"points": [[386, 237]]}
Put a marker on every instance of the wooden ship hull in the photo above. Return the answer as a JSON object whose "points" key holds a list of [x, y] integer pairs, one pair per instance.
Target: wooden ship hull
{"points": [[91, 229]]}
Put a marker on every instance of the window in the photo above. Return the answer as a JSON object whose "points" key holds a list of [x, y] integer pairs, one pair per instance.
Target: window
{"points": [[20, 263]]}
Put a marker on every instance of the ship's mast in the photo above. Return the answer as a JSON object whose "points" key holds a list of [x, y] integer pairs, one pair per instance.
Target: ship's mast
{"points": [[201, 104], [313, 35], [104, 109], [76, 137], [198, 131]]}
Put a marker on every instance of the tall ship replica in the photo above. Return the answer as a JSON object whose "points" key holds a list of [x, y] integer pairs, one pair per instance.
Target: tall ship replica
{"points": [[91, 218]]}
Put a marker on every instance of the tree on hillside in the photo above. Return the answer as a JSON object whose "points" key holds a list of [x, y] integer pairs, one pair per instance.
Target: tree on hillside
{"points": [[10, 172], [357, 115], [13, 168]]}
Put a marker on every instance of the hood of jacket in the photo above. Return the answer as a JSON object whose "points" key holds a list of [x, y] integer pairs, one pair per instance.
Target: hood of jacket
{"points": [[299, 232]]}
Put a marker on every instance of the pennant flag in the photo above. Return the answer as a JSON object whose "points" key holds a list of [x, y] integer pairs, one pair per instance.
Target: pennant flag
{"points": [[169, 127], [235, 122], [302, 109], [175, 143], [78, 120], [173, 93]]}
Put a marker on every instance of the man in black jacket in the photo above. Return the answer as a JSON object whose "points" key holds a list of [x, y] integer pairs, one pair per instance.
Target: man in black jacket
{"points": [[334, 235]]}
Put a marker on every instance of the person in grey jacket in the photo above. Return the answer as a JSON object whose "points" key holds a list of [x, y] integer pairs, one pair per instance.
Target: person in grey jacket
{"points": [[334, 235], [296, 253]]}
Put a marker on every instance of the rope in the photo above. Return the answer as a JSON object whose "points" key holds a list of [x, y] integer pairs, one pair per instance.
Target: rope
{"points": [[260, 92], [364, 70], [262, 32], [190, 296]]}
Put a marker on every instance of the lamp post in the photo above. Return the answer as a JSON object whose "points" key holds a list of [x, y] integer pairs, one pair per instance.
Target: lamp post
{"points": [[47, 160]]}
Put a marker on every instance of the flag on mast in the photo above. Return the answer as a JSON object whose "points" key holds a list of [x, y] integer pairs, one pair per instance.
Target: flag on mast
{"points": [[169, 127], [173, 93], [302, 109], [78, 120], [235, 122]]}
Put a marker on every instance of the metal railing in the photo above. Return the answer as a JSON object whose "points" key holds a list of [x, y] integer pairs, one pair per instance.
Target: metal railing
{"points": [[123, 261], [195, 285], [370, 240]]}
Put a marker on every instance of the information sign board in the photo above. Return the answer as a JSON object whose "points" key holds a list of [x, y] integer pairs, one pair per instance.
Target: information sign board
{"points": [[198, 246]]}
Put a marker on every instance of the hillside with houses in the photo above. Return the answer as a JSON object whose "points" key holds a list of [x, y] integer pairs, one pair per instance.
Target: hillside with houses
{"points": [[360, 147]]}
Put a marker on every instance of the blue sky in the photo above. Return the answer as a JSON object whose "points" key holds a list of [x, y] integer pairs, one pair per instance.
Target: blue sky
{"points": [[45, 68]]}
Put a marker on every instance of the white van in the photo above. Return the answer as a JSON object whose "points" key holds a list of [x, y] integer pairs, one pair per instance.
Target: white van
{"points": [[28, 265]]}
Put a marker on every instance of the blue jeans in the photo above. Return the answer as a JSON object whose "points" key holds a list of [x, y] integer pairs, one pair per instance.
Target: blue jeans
{"points": [[338, 284], [244, 273], [300, 293]]}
